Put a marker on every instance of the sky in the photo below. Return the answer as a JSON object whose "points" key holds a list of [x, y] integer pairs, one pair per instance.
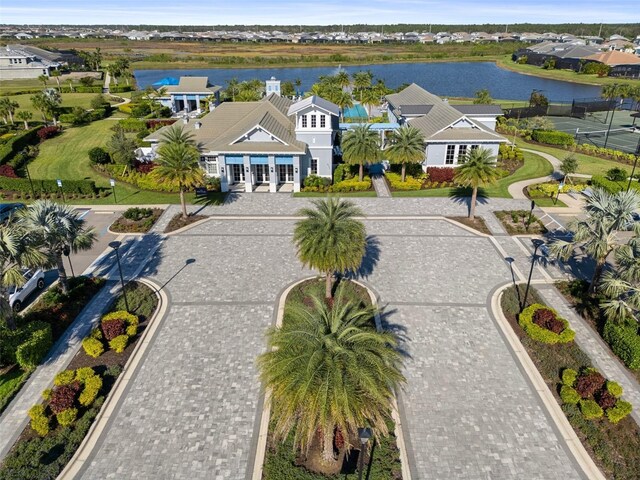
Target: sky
{"points": [[305, 12]]}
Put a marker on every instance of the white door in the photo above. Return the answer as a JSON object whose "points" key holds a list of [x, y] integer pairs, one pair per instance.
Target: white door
{"points": [[285, 173], [237, 174]]}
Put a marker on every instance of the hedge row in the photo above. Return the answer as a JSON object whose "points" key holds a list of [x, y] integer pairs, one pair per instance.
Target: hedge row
{"points": [[624, 340], [553, 137], [611, 186], [85, 187], [18, 143], [396, 183], [26, 345]]}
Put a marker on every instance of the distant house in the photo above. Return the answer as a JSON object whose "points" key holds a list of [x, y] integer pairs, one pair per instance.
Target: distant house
{"points": [[17, 61], [622, 64], [270, 145], [566, 56], [450, 132], [186, 96]]}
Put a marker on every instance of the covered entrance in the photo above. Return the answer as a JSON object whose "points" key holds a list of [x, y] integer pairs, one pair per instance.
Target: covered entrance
{"points": [[235, 166], [284, 165], [259, 169]]}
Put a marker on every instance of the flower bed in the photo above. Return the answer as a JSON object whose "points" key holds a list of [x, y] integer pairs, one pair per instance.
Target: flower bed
{"points": [[544, 325], [178, 222], [516, 222], [136, 220], [614, 447], [59, 424]]}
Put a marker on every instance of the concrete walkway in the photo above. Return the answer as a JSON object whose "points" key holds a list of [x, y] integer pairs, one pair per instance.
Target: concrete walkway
{"points": [[136, 252], [380, 186]]}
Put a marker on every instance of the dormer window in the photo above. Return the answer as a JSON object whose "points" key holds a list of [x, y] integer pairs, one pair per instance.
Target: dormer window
{"points": [[313, 121], [323, 121], [304, 121]]}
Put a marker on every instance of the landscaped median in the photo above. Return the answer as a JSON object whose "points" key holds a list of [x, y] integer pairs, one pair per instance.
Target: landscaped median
{"points": [[59, 423], [593, 405]]}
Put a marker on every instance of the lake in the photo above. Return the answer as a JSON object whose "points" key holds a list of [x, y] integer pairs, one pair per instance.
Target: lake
{"points": [[453, 79]]}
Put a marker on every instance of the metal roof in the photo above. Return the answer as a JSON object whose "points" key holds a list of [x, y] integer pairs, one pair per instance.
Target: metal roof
{"points": [[478, 109]]}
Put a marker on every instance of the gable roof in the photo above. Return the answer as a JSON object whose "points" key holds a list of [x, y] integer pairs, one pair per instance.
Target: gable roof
{"points": [[614, 57], [414, 109], [318, 102], [479, 109], [192, 85]]}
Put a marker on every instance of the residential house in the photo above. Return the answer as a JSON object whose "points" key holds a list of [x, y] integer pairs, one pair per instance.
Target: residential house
{"points": [[450, 132], [269, 145], [622, 64], [16, 62], [187, 95]]}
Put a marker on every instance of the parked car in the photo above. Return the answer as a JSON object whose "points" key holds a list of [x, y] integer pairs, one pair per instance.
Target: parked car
{"points": [[7, 209], [18, 295]]}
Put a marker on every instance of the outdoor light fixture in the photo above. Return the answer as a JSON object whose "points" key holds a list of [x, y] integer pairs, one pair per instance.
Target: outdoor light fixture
{"points": [[246, 169], [116, 246], [537, 243], [364, 434], [295, 170], [221, 169], [271, 169]]}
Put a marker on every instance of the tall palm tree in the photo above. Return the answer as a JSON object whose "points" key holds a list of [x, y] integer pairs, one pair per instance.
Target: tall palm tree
{"points": [[477, 169], [56, 74], [361, 81], [606, 214], [16, 252], [232, 89], [39, 102], [24, 116], [370, 97], [178, 163], [330, 239], [177, 134], [330, 370], [9, 106], [342, 79], [360, 145], [43, 79], [407, 146], [56, 228]]}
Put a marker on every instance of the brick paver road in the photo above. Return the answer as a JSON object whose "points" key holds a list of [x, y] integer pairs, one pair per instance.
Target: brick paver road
{"points": [[191, 409]]}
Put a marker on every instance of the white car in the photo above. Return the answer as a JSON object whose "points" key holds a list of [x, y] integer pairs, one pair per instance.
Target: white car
{"points": [[18, 295]]}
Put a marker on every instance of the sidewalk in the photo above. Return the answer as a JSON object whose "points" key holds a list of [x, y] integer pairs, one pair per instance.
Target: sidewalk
{"points": [[139, 250], [380, 186]]}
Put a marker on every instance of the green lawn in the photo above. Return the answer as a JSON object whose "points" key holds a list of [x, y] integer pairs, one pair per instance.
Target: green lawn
{"points": [[69, 100], [534, 166], [66, 157]]}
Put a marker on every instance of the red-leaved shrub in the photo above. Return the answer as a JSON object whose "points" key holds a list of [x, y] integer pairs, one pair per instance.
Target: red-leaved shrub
{"points": [[156, 124], [112, 328], [589, 383], [7, 171], [441, 174], [144, 167], [547, 319], [63, 397], [605, 399], [47, 132]]}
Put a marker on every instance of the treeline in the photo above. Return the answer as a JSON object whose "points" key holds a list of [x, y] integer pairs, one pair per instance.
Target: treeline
{"points": [[625, 29]]}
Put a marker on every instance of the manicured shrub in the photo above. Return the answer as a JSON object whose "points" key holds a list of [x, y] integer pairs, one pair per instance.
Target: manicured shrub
{"points": [[569, 395], [83, 373], [132, 125], [154, 125], [616, 174], [614, 388], [605, 399], [7, 171], [17, 143], [441, 174], [569, 377], [67, 417], [92, 386], [65, 378], [30, 353], [352, 185], [63, 397], [96, 333], [112, 328], [621, 410], [47, 132], [83, 187], [12, 339], [589, 383], [46, 394], [92, 347], [344, 171], [316, 181], [119, 343], [36, 411], [625, 342], [99, 155], [553, 137], [39, 421], [136, 213], [590, 409], [396, 183], [132, 330], [546, 318], [525, 319]]}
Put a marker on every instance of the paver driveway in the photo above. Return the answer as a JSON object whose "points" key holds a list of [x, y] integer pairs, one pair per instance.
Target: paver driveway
{"points": [[190, 412]]}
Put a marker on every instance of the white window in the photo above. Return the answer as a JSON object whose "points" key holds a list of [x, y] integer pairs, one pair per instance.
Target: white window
{"points": [[474, 147], [323, 121], [462, 153], [304, 121], [211, 165], [451, 155], [314, 166], [313, 121]]}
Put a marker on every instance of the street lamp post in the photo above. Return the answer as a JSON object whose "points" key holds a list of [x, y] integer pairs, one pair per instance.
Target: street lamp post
{"points": [[112, 182], [364, 434], [33, 190], [116, 245], [533, 205], [537, 243], [635, 163], [59, 182]]}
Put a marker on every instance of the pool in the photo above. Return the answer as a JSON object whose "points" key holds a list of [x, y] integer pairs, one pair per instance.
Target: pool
{"points": [[357, 111]]}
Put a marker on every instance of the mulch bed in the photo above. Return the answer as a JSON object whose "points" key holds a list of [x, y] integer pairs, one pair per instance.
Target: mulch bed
{"points": [[124, 225], [178, 222], [476, 223], [536, 227]]}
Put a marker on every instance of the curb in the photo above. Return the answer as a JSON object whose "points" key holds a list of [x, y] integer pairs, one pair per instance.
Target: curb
{"points": [[89, 442], [569, 436]]}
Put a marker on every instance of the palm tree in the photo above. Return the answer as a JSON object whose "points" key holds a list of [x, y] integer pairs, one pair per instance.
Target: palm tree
{"points": [[298, 83], [478, 168], [43, 79], [232, 89], [362, 81], [56, 74], [25, 116], [122, 148], [16, 252], [178, 163], [407, 146], [177, 134], [342, 79], [370, 97], [56, 228], [330, 239], [39, 102], [328, 370], [360, 145], [9, 107], [606, 214], [114, 71]]}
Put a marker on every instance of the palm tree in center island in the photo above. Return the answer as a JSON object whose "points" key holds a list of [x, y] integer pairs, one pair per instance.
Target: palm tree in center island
{"points": [[330, 239], [407, 146], [56, 229], [329, 370], [360, 145], [478, 168]]}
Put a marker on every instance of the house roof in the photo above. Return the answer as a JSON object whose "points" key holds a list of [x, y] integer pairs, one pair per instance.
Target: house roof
{"points": [[192, 85], [318, 102], [414, 109], [479, 109], [613, 58]]}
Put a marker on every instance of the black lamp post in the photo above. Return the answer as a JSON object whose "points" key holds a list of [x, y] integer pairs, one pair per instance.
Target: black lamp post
{"points": [[364, 434], [533, 205], [116, 245], [112, 182], [33, 190], [635, 163], [537, 243]]}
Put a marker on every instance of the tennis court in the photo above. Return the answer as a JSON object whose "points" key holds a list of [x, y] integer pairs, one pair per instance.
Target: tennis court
{"points": [[624, 134]]}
